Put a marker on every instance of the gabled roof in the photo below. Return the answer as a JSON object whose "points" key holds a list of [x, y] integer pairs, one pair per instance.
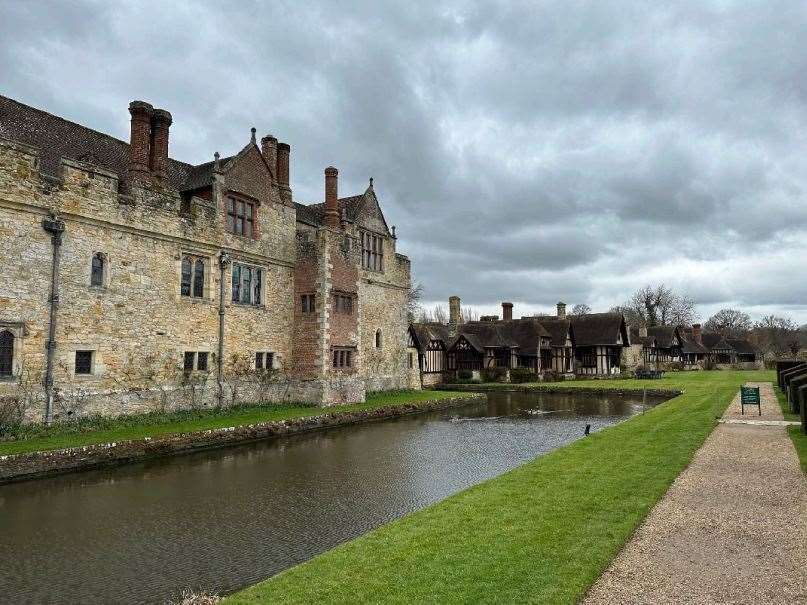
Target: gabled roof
{"points": [[713, 340], [58, 138], [742, 346], [351, 206], [522, 334], [688, 344], [558, 329], [424, 333], [599, 329], [664, 336]]}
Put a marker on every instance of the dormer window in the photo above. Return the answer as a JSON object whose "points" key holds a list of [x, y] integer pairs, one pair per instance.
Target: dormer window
{"points": [[240, 216]]}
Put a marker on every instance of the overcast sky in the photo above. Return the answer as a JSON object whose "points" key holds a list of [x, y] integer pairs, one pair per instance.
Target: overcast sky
{"points": [[528, 152]]}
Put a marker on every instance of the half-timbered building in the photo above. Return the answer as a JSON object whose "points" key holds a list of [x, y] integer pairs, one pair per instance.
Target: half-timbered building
{"points": [[599, 340]]}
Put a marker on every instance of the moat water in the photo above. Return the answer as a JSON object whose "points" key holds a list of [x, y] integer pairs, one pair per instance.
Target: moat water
{"points": [[224, 519]]}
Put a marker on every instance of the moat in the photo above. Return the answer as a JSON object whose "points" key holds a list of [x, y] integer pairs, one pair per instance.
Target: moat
{"points": [[228, 518]]}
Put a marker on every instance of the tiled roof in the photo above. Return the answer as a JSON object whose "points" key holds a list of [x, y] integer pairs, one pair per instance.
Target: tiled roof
{"points": [[58, 138], [426, 332]]}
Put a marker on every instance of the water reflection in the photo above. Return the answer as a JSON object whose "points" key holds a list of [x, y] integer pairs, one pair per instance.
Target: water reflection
{"points": [[227, 518]]}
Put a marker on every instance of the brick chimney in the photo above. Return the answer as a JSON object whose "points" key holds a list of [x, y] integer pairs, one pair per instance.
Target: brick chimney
{"points": [[160, 125], [269, 152], [332, 218], [283, 151], [697, 333], [507, 311], [140, 140], [561, 310]]}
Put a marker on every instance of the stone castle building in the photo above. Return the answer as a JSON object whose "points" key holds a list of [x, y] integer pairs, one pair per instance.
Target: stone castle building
{"points": [[131, 281]]}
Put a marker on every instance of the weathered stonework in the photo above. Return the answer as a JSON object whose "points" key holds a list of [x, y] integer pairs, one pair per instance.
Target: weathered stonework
{"points": [[137, 323]]}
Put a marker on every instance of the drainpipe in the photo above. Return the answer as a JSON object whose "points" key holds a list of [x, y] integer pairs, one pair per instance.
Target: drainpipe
{"points": [[55, 227], [224, 260]]}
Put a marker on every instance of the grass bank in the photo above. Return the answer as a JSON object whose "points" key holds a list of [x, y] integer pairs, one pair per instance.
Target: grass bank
{"points": [[91, 431], [541, 533], [796, 434]]}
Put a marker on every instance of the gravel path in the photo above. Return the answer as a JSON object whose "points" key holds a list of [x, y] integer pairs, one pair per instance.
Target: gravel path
{"points": [[731, 529]]}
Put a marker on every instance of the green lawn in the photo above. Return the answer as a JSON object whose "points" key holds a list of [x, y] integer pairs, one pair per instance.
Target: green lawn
{"points": [[541, 533], [104, 430]]}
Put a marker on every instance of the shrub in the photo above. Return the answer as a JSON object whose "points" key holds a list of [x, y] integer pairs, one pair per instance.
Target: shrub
{"points": [[520, 375], [464, 374], [494, 374]]}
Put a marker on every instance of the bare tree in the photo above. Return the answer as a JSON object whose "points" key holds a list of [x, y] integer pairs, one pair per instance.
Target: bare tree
{"points": [[470, 314], [730, 323], [413, 296], [776, 335], [661, 306], [580, 309], [439, 314]]}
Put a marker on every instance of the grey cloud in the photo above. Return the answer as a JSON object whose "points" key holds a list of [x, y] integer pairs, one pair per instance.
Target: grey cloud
{"points": [[525, 151]]}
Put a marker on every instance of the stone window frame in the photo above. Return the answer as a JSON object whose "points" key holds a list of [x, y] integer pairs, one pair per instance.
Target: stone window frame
{"points": [[344, 303], [207, 282], [97, 366], [253, 267], [265, 356], [343, 358], [379, 339], [19, 331], [231, 196], [372, 250], [195, 352], [308, 303], [105, 278]]}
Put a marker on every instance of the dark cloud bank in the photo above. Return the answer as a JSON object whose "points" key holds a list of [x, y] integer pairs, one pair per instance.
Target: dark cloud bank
{"points": [[531, 152]]}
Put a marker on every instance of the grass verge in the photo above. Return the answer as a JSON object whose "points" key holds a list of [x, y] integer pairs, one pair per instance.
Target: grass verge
{"points": [[800, 443], [33, 438], [783, 404], [541, 533]]}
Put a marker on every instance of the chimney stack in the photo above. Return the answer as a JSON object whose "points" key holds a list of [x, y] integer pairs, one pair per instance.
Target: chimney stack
{"points": [[283, 151], [269, 152], [454, 316], [507, 311], [643, 330], [561, 310], [160, 126], [332, 198], [140, 140], [697, 333]]}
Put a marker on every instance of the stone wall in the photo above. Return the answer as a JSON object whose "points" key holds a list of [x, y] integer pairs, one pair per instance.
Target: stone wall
{"points": [[138, 326]]}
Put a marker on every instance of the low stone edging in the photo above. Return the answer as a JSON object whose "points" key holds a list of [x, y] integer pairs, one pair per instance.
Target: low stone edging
{"points": [[517, 388], [32, 465]]}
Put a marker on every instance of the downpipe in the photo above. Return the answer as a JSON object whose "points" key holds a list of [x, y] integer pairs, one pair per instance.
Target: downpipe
{"points": [[224, 261], [55, 227]]}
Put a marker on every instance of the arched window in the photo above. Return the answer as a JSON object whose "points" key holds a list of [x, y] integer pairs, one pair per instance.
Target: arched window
{"points": [[6, 353], [378, 339], [97, 271], [199, 278]]}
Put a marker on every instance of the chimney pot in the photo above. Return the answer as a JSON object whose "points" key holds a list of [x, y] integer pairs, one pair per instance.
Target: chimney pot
{"points": [[269, 153], [561, 310], [507, 311], [283, 152], [160, 127], [332, 219], [140, 139]]}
